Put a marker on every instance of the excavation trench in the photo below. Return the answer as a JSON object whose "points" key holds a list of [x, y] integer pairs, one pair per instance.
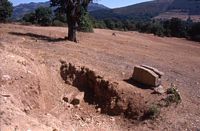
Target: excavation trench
{"points": [[112, 97]]}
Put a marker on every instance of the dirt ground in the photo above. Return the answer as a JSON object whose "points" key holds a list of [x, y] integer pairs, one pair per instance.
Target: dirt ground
{"points": [[31, 88]]}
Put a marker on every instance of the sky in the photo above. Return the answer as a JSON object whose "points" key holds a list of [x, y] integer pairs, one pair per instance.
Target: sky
{"points": [[108, 3]]}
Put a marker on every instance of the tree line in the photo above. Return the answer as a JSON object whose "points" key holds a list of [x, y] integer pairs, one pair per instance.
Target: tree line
{"points": [[44, 16], [170, 28]]}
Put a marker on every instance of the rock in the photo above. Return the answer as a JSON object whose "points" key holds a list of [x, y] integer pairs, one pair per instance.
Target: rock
{"points": [[23, 62], [146, 76], [68, 97], [123, 73], [159, 90], [99, 110], [23, 39], [77, 106], [6, 95], [159, 73], [114, 34], [78, 98], [6, 78]]}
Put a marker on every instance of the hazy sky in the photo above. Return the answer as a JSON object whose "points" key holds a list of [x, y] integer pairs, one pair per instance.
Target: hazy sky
{"points": [[108, 3]]}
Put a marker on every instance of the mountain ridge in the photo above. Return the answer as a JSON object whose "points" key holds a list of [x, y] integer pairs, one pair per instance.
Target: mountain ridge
{"points": [[155, 9], [22, 9]]}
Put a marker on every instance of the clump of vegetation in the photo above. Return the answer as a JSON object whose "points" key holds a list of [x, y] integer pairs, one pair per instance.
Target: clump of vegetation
{"points": [[173, 96], [153, 112]]}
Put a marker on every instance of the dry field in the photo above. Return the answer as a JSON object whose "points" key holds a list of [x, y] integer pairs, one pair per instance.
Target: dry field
{"points": [[31, 87]]}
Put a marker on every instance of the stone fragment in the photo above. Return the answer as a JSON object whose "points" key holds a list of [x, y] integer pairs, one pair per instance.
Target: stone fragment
{"points": [[99, 110], [159, 90]]}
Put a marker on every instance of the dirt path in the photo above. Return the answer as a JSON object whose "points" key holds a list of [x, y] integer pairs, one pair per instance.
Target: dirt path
{"points": [[31, 56]]}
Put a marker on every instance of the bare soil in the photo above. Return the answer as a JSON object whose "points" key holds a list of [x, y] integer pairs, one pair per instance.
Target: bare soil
{"points": [[31, 86]]}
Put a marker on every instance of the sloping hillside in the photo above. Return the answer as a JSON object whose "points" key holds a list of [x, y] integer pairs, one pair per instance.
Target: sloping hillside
{"points": [[151, 9], [182, 9], [32, 88]]}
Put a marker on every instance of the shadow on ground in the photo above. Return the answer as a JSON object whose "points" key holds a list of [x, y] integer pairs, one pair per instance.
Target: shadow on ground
{"points": [[136, 84], [38, 37]]}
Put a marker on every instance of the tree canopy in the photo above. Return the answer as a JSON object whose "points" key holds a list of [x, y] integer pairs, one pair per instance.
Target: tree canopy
{"points": [[42, 16], [6, 10]]}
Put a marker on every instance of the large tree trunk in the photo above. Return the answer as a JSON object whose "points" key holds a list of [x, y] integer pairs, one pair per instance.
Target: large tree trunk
{"points": [[72, 18], [72, 30]]}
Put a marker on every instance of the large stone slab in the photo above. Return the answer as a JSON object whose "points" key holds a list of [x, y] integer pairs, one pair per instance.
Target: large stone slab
{"points": [[146, 76], [159, 73]]}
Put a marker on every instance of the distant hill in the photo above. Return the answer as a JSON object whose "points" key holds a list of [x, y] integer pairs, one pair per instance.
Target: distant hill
{"points": [[158, 9], [182, 9], [22, 9]]}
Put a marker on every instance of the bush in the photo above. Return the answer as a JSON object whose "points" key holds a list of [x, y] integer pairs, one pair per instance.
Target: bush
{"points": [[26, 23], [58, 23], [173, 96], [153, 112]]}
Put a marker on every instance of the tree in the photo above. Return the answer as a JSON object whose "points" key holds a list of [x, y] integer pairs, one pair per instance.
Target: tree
{"points": [[110, 24], [6, 10], [177, 27], [194, 32], [30, 17], [157, 29], [60, 17], [72, 8], [43, 16]]}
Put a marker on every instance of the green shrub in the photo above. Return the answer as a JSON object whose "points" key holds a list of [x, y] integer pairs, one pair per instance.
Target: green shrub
{"points": [[173, 96], [85, 24], [58, 23], [153, 112]]}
